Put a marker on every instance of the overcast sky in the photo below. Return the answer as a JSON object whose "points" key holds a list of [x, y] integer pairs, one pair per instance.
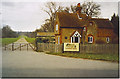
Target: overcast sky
{"points": [[27, 15]]}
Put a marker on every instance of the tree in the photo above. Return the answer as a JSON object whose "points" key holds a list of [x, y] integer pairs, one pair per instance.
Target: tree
{"points": [[53, 8], [73, 8], [91, 9], [7, 32], [115, 22]]}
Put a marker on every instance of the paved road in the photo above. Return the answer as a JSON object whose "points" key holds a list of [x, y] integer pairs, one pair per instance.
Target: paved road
{"points": [[33, 64]]}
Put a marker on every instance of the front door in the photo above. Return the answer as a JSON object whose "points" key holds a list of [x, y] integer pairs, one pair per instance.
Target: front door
{"points": [[76, 39]]}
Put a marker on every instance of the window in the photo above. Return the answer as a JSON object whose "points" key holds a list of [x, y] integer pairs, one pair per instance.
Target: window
{"points": [[91, 23], [107, 40], [58, 40], [56, 27], [90, 39], [84, 28], [65, 37], [76, 39]]}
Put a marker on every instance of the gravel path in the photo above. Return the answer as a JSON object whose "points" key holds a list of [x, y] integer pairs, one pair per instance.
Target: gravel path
{"points": [[33, 64]]}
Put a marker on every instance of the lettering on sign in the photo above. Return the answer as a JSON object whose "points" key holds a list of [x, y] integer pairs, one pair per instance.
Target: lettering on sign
{"points": [[71, 46]]}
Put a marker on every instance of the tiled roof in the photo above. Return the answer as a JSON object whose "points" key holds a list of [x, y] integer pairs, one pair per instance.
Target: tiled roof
{"points": [[69, 20], [72, 20], [102, 23]]}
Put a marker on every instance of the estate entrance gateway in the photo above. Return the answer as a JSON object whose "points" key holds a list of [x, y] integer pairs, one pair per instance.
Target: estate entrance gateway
{"points": [[19, 46], [75, 38]]}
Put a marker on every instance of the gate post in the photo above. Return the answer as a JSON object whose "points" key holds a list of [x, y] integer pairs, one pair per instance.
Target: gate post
{"points": [[12, 46], [37, 46], [20, 47], [27, 47]]}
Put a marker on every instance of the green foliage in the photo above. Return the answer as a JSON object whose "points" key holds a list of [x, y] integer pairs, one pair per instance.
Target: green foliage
{"points": [[115, 22], [45, 40], [94, 56], [8, 40], [89, 8], [31, 40], [7, 32]]}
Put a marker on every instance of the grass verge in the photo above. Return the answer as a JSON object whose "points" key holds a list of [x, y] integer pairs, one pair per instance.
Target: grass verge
{"points": [[94, 56], [8, 40], [30, 40]]}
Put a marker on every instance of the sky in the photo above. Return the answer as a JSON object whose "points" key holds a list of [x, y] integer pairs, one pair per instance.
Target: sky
{"points": [[28, 15]]}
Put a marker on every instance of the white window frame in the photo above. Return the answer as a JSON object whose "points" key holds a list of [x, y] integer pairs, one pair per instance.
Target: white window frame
{"points": [[107, 39], [90, 37], [56, 27], [74, 35], [91, 23]]}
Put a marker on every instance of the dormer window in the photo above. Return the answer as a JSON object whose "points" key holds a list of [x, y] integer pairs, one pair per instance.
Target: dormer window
{"points": [[56, 27], [84, 29], [91, 23]]}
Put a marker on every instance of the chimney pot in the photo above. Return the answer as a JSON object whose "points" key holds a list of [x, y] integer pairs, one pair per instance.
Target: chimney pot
{"points": [[78, 5]]}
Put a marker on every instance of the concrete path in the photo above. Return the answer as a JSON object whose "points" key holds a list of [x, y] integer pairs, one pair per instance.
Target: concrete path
{"points": [[33, 64], [21, 40]]}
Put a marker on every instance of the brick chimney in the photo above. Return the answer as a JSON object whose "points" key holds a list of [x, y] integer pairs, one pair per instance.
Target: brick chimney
{"points": [[78, 9]]}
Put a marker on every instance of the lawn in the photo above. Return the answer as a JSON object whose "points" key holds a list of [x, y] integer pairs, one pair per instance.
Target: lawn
{"points": [[106, 57], [8, 40]]}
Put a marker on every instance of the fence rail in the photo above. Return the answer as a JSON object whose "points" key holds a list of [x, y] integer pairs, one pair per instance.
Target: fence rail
{"points": [[84, 48], [99, 48], [20, 46]]}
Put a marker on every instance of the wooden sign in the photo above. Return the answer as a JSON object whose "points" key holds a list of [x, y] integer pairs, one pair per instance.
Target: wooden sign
{"points": [[71, 47]]}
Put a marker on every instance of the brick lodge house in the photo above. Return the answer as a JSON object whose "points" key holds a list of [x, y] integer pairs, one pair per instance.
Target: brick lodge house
{"points": [[80, 28]]}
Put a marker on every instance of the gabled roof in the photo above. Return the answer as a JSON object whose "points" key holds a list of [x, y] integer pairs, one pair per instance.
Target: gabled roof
{"points": [[69, 20], [76, 33], [102, 23]]}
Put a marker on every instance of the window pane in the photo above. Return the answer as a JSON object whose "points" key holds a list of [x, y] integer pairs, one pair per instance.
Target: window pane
{"points": [[107, 39], [65, 37], [90, 39], [57, 27], [58, 40]]}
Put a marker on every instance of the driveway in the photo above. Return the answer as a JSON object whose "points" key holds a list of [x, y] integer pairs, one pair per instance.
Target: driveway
{"points": [[38, 64]]}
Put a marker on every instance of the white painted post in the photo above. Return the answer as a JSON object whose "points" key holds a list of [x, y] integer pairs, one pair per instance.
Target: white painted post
{"points": [[78, 39], [71, 39]]}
